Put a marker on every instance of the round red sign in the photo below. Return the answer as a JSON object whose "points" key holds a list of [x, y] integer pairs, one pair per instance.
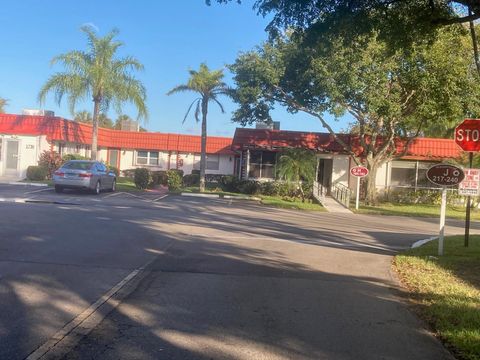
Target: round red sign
{"points": [[359, 171], [445, 175], [467, 135]]}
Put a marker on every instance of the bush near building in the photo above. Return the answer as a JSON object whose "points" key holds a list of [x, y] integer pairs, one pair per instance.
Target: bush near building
{"points": [[36, 173], [142, 178], [50, 161], [174, 179]]}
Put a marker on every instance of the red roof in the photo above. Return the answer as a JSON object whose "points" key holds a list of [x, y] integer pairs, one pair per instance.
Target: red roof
{"points": [[59, 129], [419, 149]]}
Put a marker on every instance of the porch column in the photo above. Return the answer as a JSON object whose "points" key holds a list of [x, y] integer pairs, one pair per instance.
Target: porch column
{"points": [[247, 166]]}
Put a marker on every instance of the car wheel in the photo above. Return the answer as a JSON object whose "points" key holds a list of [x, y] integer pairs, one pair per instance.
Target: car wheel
{"points": [[58, 189], [114, 186], [96, 191]]}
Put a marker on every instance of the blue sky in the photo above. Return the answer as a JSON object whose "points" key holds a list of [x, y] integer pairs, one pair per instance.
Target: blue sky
{"points": [[168, 37]]}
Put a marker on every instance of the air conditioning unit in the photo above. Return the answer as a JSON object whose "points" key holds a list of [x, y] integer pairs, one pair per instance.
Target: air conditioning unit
{"points": [[38, 112]]}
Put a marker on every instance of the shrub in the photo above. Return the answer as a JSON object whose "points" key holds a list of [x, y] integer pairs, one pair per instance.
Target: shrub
{"points": [[174, 179], [36, 173], [270, 188], [229, 183], [159, 178], [113, 169], [249, 187], [50, 161], [191, 180], [196, 171], [142, 178], [68, 157]]}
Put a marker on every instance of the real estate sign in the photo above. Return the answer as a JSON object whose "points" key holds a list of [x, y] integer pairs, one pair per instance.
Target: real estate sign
{"points": [[470, 186]]}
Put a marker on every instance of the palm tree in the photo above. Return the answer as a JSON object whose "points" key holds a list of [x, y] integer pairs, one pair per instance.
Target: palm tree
{"points": [[3, 104], [209, 85], [296, 165], [97, 74], [83, 117]]}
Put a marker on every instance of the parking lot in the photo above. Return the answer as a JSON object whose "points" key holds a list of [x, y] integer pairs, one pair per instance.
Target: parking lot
{"points": [[226, 279], [43, 194]]}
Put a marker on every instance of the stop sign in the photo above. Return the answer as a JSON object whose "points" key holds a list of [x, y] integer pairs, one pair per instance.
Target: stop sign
{"points": [[467, 135]]}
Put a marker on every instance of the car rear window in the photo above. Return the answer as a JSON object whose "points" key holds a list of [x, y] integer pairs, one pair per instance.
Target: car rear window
{"points": [[78, 165]]}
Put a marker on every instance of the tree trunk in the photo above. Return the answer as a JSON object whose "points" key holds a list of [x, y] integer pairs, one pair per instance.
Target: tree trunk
{"points": [[96, 110], [371, 197], [473, 35], [203, 155]]}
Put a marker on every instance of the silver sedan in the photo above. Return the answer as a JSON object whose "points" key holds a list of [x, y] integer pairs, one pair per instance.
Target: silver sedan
{"points": [[83, 174]]}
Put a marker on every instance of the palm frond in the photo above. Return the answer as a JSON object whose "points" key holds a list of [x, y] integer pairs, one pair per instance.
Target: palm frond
{"points": [[179, 88], [219, 104], [197, 111], [188, 110]]}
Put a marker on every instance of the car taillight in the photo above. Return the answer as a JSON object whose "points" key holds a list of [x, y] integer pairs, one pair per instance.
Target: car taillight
{"points": [[59, 173], [85, 175]]}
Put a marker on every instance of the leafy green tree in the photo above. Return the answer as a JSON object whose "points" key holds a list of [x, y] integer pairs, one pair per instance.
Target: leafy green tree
{"points": [[208, 85], [86, 117], [297, 165], [97, 74], [83, 117], [396, 21], [393, 97], [3, 104]]}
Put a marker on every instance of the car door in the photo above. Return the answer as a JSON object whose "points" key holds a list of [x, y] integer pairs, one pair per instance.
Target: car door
{"points": [[106, 180]]}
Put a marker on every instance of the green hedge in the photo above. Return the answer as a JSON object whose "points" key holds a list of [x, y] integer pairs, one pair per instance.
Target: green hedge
{"points": [[142, 178], [36, 173]]}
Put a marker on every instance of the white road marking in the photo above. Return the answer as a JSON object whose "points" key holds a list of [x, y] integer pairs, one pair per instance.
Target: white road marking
{"points": [[68, 336], [160, 198], [37, 191]]}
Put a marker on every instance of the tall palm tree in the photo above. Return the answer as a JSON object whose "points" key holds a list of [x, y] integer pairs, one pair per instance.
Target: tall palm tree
{"points": [[83, 117], [97, 74], [208, 85], [296, 165], [3, 104]]}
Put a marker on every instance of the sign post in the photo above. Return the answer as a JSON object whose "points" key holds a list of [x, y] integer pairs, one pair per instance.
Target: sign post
{"points": [[444, 175], [467, 136], [470, 186], [358, 172]]}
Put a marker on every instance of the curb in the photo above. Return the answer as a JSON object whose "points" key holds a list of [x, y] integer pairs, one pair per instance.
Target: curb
{"points": [[419, 243], [242, 197], [31, 201], [23, 183], [200, 195]]}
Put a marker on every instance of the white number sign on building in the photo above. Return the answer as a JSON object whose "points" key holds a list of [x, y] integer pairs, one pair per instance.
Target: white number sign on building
{"points": [[470, 186]]}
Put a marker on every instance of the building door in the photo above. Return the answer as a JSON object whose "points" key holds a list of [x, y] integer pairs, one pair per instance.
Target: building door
{"points": [[324, 176], [11, 157], [113, 157]]}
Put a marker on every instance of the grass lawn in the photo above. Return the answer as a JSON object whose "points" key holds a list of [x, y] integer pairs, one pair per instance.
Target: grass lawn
{"points": [[275, 201], [447, 291], [126, 184], [290, 204], [415, 210]]}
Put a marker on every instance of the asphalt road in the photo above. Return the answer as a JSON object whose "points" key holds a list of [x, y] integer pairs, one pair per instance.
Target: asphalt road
{"points": [[230, 279]]}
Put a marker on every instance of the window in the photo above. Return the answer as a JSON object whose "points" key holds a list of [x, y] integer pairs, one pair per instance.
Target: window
{"points": [[262, 164], [410, 174], [147, 157], [212, 162]]}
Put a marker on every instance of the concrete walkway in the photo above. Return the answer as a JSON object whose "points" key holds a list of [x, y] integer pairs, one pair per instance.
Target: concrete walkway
{"points": [[334, 206]]}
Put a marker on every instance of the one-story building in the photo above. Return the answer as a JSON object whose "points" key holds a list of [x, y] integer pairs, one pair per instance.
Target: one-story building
{"points": [[23, 138], [251, 154]]}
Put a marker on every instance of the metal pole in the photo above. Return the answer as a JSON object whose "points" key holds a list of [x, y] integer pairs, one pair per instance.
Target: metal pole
{"points": [[467, 215], [442, 220], [358, 193]]}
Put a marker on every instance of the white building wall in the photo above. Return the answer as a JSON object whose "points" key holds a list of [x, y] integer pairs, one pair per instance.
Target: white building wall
{"points": [[340, 169], [185, 162], [29, 150]]}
